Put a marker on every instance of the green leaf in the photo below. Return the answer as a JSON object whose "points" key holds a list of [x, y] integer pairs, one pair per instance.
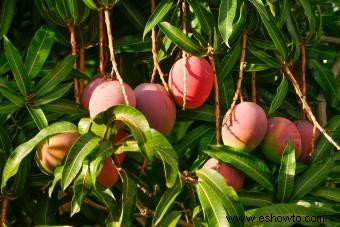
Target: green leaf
{"points": [[129, 200], [54, 77], [204, 16], [81, 188], [203, 113], [264, 57], [191, 138], [90, 4], [226, 91], [166, 201], [239, 25], [171, 219], [133, 14], [287, 172], [214, 212], [229, 62], [226, 194], [256, 199], [161, 10], [132, 44], [8, 107], [25, 149], [17, 66], [4, 66], [286, 7], [181, 39], [280, 96], [327, 193], [105, 196], [55, 94], [323, 147], [269, 215], [167, 154], [274, 32], [38, 117], [311, 178], [294, 31], [310, 15], [38, 50], [57, 177], [135, 121], [329, 84], [12, 96], [247, 163], [65, 107], [6, 15], [227, 12], [83, 146]]}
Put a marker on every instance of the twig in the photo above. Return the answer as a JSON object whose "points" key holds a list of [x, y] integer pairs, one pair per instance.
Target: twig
{"points": [[305, 105], [156, 67], [253, 86], [240, 76], [303, 71], [5, 202], [81, 68], [101, 43], [112, 55], [74, 53], [184, 54], [95, 205], [330, 39], [217, 100]]}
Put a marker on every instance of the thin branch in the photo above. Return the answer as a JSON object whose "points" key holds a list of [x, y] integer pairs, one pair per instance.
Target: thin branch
{"points": [[305, 105], [184, 54], [253, 86], [217, 100], [330, 39], [101, 44], [5, 202], [157, 67], [303, 71], [74, 53], [112, 55], [240, 75]]}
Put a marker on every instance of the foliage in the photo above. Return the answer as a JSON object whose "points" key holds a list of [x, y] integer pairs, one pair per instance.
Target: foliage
{"points": [[161, 181]]}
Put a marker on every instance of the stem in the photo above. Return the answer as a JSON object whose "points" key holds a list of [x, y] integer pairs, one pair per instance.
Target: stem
{"points": [[217, 100], [305, 105], [330, 39], [112, 55], [156, 68], [5, 202], [240, 75], [74, 53], [101, 43], [253, 86], [184, 54], [81, 68], [321, 109], [303, 70]]}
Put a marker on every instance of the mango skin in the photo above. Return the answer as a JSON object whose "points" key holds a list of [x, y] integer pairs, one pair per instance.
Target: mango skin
{"points": [[109, 174], [156, 105], [51, 152], [200, 77], [102, 94], [232, 177], [306, 132], [246, 127], [278, 132]]}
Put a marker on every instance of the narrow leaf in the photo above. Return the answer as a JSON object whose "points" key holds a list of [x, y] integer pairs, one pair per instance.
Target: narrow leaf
{"points": [[204, 16], [327, 193], [129, 200], [264, 57], [247, 163], [78, 152], [38, 117], [161, 10], [256, 199], [25, 149], [181, 39], [287, 172], [281, 93], [227, 12], [8, 107], [229, 62], [17, 66], [55, 94], [12, 96], [7, 9]]}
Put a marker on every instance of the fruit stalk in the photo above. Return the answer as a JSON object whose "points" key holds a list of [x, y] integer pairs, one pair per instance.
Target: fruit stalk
{"points": [[112, 55], [4, 211], [305, 105], [253, 86], [74, 53], [156, 67], [240, 74], [184, 54], [303, 72], [81, 68], [217, 100], [101, 44]]}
